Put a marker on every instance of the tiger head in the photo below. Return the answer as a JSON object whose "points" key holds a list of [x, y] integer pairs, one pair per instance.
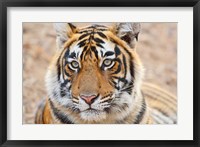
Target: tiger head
{"points": [[96, 73]]}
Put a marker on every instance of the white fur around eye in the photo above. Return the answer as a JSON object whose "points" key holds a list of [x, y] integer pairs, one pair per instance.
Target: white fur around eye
{"points": [[107, 62], [74, 65], [110, 66]]}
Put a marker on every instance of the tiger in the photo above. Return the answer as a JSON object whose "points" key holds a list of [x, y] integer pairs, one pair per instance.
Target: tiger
{"points": [[96, 77]]}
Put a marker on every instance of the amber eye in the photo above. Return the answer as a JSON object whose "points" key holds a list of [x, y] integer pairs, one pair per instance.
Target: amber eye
{"points": [[107, 62], [75, 64]]}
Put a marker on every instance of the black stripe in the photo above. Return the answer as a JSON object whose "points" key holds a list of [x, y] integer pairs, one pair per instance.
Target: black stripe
{"points": [[87, 53], [72, 55], [43, 109], [115, 84], [39, 116], [97, 40], [66, 81], [129, 88], [91, 36], [95, 51], [82, 43], [59, 115], [69, 88], [117, 51], [117, 60], [84, 31], [125, 69], [83, 52], [83, 36], [67, 53], [58, 63], [99, 45], [64, 64], [101, 53], [109, 53], [72, 26], [67, 73], [121, 79], [140, 115], [102, 29], [63, 70], [63, 92], [58, 69], [132, 69], [126, 38], [90, 27], [102, 26], [118, 69], [70, 68], [130, 60], [98, 27], [101, 34]]}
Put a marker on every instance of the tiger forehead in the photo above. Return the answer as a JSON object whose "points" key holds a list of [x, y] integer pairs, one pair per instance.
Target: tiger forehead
{"points": [[92, 28], [92, 31], [89, 40]]}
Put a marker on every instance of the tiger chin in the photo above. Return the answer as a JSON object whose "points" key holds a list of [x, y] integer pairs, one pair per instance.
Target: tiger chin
{"points": [[96, 76]]}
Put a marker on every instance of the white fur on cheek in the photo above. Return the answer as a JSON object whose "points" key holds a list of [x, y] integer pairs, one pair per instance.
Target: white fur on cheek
{"points": [[100, 106], [125, 98], [53, 88]]}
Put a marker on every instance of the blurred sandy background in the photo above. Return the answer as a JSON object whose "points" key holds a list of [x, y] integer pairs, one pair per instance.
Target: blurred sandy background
{"points": [[157, 48]]}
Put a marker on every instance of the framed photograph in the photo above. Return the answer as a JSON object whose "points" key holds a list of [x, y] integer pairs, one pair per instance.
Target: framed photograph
{"points": [[99, 73]]}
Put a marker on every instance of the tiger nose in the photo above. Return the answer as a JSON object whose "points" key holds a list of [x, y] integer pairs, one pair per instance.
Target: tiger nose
{"points": [[89, 99]]}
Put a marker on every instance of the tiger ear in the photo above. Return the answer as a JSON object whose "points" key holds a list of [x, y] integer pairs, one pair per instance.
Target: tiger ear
{"points": [[128, 32], [63, 32]]}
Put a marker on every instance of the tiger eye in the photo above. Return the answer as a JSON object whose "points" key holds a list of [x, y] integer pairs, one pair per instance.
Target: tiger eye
{"points": [[74, 64], [107, 62]]}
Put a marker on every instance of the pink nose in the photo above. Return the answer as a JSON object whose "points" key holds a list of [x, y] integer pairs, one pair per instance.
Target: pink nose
{"points": [[88, 99]]}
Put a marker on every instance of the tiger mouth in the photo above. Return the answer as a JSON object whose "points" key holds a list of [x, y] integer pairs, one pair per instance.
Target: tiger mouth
{"points": [[91, 110]]}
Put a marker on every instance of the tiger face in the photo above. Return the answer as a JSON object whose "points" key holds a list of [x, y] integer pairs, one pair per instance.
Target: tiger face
{"points": [[95, 73]]}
